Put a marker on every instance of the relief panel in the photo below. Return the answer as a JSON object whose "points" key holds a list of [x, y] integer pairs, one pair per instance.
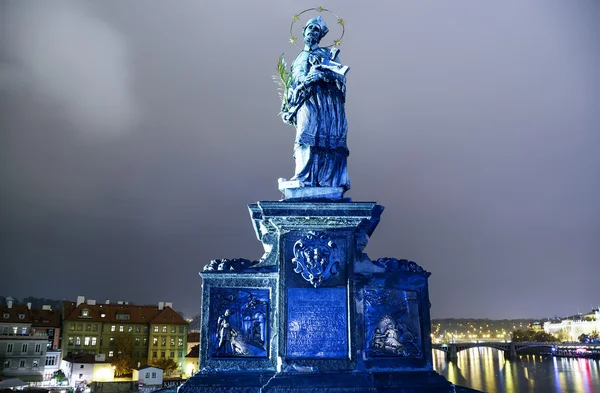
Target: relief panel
{"points": [[238, 322], [392, 324]]}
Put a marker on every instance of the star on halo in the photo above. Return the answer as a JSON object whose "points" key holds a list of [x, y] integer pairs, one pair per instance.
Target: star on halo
{"points": [[341, 21], [320, 8], [337, 42], [292, 40]]}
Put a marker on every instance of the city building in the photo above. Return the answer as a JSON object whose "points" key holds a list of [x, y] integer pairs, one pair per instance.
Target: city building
{"points": [[22, 348], [147, 332], [81, 369], [193, 339], [148, 376], [570, 328], [48, 321], [191, 361]]}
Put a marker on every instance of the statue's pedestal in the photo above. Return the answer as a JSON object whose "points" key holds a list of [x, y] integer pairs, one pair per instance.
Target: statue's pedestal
{"points": [[315, 313]]}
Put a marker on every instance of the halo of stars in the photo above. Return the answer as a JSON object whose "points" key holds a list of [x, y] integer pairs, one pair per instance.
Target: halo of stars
{"points": [[340, 21]]}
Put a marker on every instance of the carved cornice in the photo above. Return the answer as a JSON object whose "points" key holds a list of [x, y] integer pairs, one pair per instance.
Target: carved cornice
{"points": [[399, 265]]}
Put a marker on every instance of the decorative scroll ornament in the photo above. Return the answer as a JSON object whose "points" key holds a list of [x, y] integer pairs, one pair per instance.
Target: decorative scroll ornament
{"points": [[316, 258]]}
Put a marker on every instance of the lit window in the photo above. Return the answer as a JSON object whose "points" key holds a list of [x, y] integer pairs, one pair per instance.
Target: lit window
{"points": [[113, 328], [155, 329], [24, 330], [35, 363], [15, 329], [137, 341], [70, 340], [163, 342], [130, 329], [180, 342], [173, 329], [110, 354], [86, 341], [102, 315], [164, 329], [93, 341], [172, 341], [72, 327], [111, 341], [7, 364], [77, 340], [121, 328], [155, 341], [137, 329], [85, 313]]}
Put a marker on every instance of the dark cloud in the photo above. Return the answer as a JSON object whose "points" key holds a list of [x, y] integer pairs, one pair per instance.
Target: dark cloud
{"points": [[134, 136]]}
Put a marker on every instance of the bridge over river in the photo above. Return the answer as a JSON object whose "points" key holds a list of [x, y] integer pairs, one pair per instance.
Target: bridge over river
{"points": [[511, 349]]}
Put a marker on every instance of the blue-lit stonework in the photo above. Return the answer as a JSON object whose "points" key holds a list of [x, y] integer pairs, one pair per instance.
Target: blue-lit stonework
{"points": [[240, 318], [315, 311]]}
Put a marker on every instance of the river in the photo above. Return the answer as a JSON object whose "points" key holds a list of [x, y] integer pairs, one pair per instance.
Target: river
{"points": [[486, 369]]}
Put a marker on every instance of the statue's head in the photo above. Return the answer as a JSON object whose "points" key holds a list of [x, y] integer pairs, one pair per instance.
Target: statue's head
{"points": [[227, 312], [314, 30]]}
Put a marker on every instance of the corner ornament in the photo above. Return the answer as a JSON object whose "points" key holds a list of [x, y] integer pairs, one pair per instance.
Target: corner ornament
{"points": [[316, 258]]}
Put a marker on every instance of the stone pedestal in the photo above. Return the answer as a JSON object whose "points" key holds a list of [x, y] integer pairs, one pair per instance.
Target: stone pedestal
{"points": [[315, 313]]}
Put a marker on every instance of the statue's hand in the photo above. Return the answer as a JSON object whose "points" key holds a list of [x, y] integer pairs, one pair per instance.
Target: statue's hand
{"points": [[314, 76]]}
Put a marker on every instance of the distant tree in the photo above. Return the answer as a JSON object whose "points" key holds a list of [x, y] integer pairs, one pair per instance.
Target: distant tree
{"points": [[584, 338], [123, 360], [168, 365], [532, 336], [59, 376]]}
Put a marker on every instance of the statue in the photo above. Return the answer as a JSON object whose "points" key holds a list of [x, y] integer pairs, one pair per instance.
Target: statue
{"points": [[314, 103]]}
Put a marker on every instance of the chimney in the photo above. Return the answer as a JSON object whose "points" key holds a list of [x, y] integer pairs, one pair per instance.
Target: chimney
{"points": [[169, 304], [46, 307], [107, 301], [9, 303], [28, 305], [80, 300], [91, 302], [119, 302], [161, 306]]}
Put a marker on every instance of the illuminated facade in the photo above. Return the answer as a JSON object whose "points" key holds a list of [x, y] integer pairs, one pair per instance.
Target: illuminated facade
{"points": [[148, 332], [22, 349], [569, 329]]}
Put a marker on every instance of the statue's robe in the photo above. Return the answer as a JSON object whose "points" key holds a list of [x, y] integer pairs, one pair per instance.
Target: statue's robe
{"points": [[317, 111]]}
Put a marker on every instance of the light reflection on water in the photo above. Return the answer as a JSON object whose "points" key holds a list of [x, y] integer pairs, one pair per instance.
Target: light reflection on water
{"points": [[486, 369]]}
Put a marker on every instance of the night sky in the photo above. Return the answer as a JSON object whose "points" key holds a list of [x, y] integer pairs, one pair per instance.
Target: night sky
{"points": [[134, 134]]}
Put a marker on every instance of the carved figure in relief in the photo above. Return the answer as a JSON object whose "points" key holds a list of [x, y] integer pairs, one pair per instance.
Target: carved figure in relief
{"points": [[224, 332]]}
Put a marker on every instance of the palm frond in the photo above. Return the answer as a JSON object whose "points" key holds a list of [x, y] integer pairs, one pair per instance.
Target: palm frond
{"points": [[283, 79]]}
